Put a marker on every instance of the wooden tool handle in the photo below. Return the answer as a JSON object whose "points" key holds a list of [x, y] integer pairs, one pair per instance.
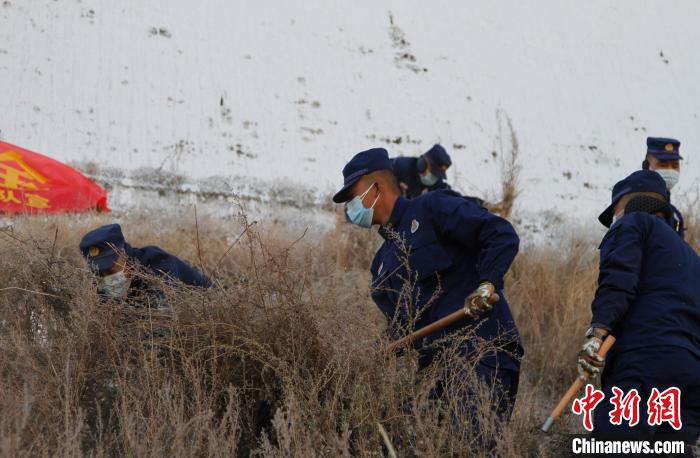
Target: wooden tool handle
{"points": [[435, 326], [573, 389]]}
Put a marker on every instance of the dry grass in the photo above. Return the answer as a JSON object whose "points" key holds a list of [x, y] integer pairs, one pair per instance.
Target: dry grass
{"points": [[508, 147], [278, 360]]}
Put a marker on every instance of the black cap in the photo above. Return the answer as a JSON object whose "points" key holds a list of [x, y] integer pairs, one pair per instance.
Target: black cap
{"points": [[100, 247], [440, 160], [360, 165], [664, 149], [639, 181]]}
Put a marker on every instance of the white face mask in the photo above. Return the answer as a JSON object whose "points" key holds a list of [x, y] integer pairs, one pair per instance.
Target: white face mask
{"points": [[115, 285], [670, 176]]}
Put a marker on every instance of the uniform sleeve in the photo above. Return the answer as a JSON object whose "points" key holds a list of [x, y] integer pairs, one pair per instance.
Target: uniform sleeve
{"points": [[620, 264], [189, 275], [161, 260], [476, 229]]}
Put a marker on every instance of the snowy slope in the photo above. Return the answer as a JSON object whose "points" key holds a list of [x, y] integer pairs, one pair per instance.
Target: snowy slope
{"points": [[281, 93]]}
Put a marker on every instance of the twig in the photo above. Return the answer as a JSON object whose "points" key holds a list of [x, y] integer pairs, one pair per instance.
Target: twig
{"points": [[387, 442], [9, 231], [247, 226], [199, 249], [298, 239], [53, 247], [29, 291]]}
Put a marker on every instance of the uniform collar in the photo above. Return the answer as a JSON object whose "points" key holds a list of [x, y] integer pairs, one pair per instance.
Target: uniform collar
{"points": [[397, 213]]}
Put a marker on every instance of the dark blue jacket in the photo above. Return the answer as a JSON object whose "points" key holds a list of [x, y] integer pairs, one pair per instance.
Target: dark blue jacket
{"points": [[453, 245], [162, 263], [649, 286], [406, 171]]}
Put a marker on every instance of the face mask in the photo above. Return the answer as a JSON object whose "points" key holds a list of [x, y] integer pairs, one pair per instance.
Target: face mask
{"points": [[616, 218], [115, 285], [356, 213], [428, 179], [670, 176]]}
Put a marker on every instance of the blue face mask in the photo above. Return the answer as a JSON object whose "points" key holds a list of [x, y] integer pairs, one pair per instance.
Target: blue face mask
{"points": [[428, 179], [670, 176], [356, 212]]}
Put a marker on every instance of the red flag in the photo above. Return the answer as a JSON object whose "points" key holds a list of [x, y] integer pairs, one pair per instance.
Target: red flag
{"points": [[34, 183]]}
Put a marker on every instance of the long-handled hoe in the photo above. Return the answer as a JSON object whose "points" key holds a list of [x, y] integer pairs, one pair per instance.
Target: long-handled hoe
{"points": [[573, 389], [434, 327]]}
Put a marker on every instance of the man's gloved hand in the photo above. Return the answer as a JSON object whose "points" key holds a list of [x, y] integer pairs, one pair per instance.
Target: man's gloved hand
{"points": [[477, 303], [589, 363]]}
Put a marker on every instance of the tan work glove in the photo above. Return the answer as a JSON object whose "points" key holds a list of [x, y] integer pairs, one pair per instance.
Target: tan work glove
{"points": [[589, 362], [481, 300]]}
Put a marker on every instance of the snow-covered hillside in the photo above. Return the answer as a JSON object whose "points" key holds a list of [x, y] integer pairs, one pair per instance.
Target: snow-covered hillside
{"points": [[256, 95]]}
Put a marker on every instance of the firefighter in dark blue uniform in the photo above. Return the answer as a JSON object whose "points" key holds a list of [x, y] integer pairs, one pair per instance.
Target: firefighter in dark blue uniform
{"points": [[663, 157], [457, 253], [114, 260], [418, 175], [648, 297]]}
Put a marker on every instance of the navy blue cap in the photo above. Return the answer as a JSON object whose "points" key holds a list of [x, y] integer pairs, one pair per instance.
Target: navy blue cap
{"points": [[639, 181], [664, 149], [99, 247], [360, 165], [440, 160]]}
